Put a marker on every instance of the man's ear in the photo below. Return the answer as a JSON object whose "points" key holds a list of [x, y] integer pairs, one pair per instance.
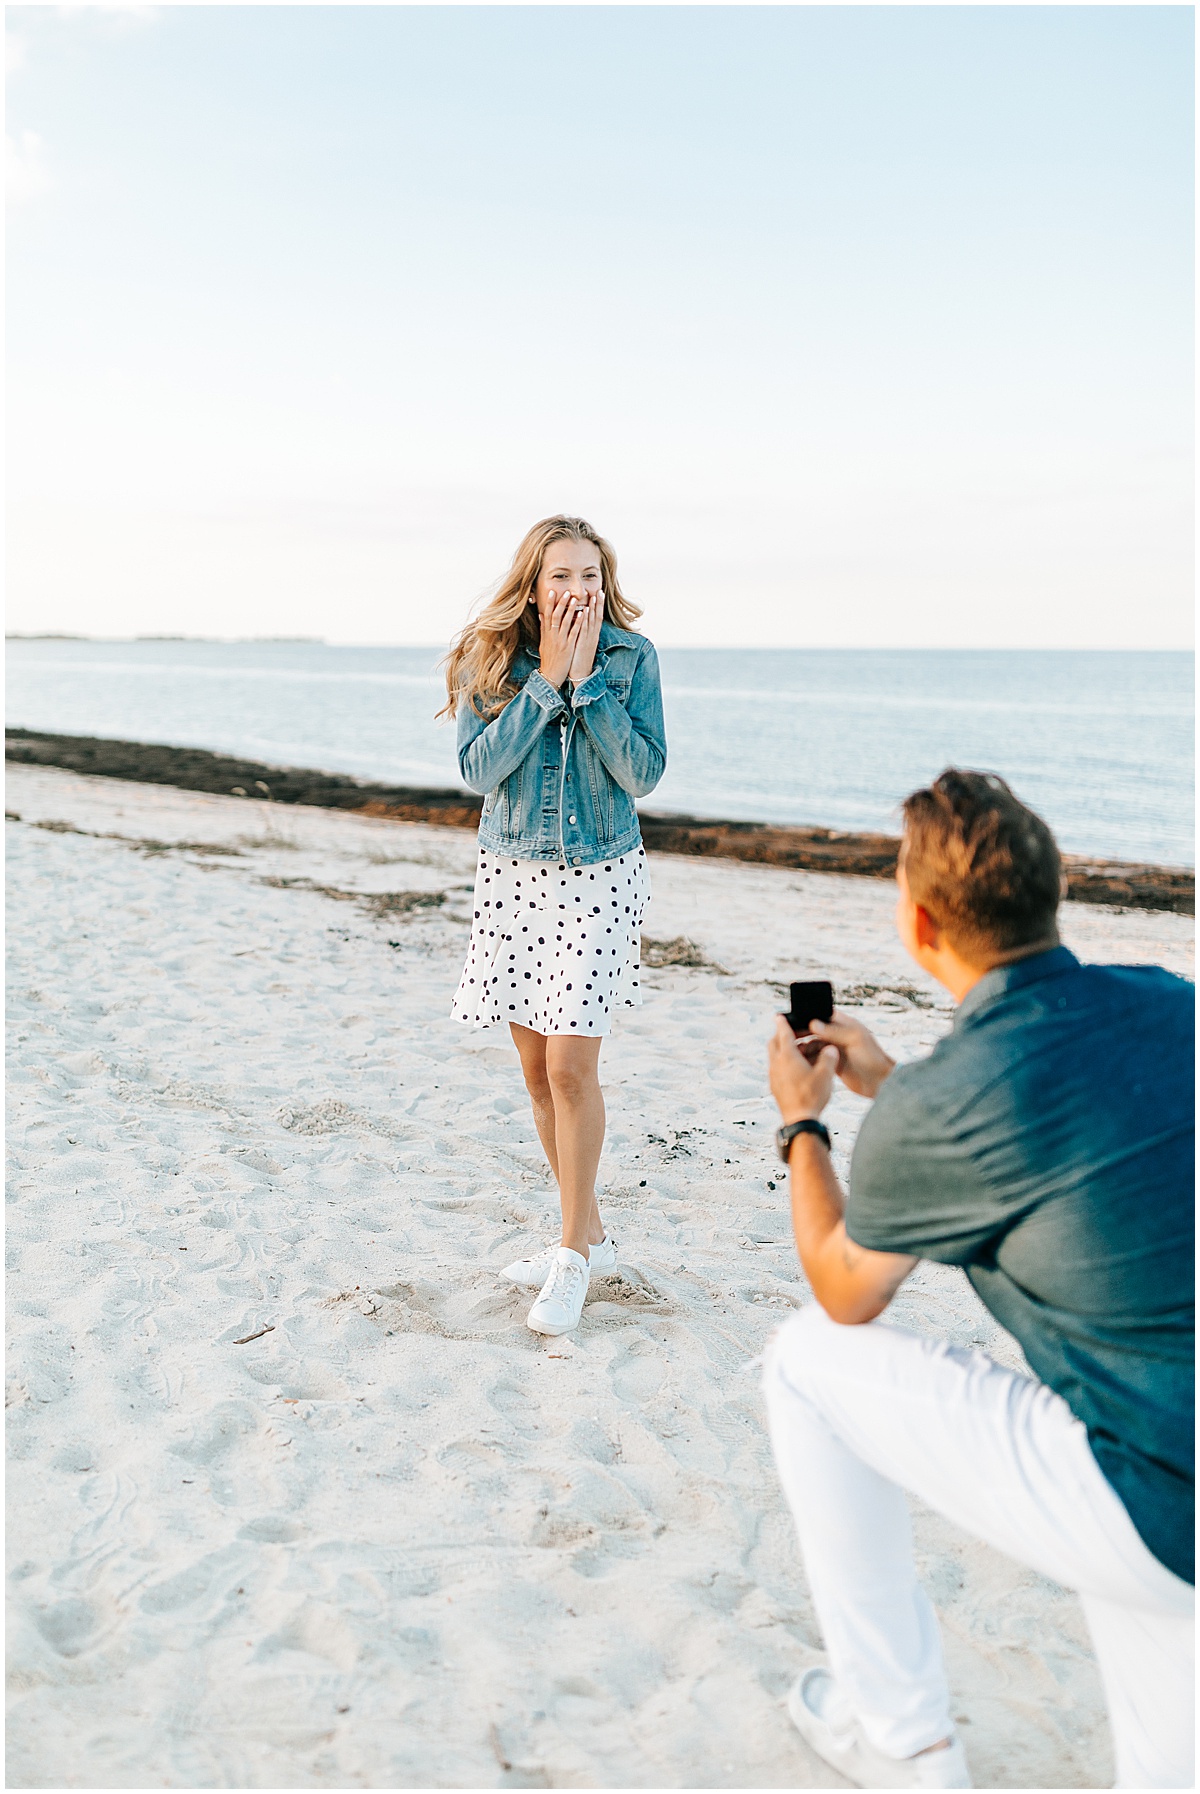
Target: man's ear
{"points": [[927, 932]]}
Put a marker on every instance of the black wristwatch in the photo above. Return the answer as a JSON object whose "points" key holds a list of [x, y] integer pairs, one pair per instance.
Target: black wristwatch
{"points": [[785, 1135]]}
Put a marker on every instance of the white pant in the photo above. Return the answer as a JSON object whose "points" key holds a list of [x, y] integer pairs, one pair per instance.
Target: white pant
{"points": [[859, 1414]]}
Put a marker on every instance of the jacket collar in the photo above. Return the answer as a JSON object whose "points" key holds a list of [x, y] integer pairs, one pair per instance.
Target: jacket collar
{"points": [[1002, 979]]}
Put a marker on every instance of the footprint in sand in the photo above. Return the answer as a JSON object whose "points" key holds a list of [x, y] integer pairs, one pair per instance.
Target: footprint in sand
{"points": [[516, 1406], [68, 1625], [405, 1308], [271, 1529], [762, 1296], [208, 1575], [637, 1374]]}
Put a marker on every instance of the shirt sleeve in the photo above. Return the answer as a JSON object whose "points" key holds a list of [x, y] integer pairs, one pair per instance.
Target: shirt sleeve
{"points": [[914, 1184]]}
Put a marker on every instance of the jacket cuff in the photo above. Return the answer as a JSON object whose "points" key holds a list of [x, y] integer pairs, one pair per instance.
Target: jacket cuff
{"points": [[543, 693], [589, 689]]}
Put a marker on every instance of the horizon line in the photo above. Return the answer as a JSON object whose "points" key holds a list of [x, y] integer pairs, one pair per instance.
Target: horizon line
{"points": [[319, 641]]}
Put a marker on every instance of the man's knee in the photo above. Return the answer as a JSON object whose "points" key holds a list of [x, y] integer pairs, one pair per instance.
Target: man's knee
{"points": [[802, 1347]]}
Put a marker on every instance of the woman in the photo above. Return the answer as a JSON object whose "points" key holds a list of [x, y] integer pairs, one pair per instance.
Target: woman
{"points": [[560, 725]]}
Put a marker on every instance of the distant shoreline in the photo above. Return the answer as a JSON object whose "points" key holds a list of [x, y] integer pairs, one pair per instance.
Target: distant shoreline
{"points": [[1121, 884], [689, 647], [207, 641]]}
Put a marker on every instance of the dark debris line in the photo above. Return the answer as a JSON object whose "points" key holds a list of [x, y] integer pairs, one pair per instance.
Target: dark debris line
{"points": [[1118, 883]]}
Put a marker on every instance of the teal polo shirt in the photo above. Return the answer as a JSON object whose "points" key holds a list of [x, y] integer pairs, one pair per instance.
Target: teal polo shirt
{"points": [[1046, 1145]]}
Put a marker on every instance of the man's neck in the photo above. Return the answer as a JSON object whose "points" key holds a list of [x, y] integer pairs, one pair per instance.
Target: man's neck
{"points": [[960, 976]]}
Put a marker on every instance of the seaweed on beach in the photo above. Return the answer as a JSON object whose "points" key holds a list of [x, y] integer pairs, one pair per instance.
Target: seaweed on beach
{"points": [[886, 995], [270, 841], [143, 843], [401, 903], [680, 1147], [678, 951], [376, 903], [157, 847], [901, 995], [1116, 884]]}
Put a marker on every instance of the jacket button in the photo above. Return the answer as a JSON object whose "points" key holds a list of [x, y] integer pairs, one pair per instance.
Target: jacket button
{"points": [[575, 862], [570, 819]]}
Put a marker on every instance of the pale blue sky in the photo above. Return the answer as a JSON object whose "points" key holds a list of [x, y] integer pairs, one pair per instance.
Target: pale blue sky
{"points": [[848, 324]]}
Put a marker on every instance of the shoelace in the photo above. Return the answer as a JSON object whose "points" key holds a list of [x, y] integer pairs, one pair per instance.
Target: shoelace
{"points": [[560, 1287]]}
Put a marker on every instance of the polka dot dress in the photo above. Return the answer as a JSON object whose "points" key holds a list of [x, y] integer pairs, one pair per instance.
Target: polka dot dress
{"points": [[555, 948]]}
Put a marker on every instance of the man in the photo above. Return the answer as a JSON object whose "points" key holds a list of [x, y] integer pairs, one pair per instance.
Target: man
{"points": [[1046, 1146]]}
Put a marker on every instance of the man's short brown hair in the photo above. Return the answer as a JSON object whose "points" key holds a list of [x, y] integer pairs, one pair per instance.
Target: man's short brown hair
{"points": [[985, 869]]}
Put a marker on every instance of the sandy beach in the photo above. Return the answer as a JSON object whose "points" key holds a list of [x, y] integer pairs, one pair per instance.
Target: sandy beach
{"points": [[295, 1498]]}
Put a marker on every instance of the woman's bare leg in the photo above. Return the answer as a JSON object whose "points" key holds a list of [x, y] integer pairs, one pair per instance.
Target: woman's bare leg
{"points": [[532, 1050], [562, 1079], [572, 1073]]}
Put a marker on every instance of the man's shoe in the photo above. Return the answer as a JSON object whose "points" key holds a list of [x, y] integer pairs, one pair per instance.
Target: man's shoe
{"points": [[824, 1723], [531, 1273], [558, 1308]]}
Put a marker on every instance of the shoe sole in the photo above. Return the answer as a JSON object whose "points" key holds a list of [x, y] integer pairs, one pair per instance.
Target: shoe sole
{"points": [[550, 1332]]}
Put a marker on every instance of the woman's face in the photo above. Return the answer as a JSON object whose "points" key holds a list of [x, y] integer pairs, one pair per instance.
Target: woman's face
{"points": [[568, 566]]}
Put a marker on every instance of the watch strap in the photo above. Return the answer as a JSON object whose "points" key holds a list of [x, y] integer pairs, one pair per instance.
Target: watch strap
{"points": [[785, 1135]]}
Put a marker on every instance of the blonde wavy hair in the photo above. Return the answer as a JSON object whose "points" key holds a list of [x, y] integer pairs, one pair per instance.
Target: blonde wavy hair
{"points": [[479, 664]]}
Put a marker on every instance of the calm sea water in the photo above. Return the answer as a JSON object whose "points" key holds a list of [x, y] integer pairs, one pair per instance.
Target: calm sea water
{"points": [[1100, 743]]}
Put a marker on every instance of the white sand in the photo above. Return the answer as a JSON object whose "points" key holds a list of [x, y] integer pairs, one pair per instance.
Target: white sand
{"points": [[397, 1540]]}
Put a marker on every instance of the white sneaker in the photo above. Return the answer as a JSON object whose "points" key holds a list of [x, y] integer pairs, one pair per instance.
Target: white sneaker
{"points": [[531, 1273], [824, 1721], [558, 1308]]}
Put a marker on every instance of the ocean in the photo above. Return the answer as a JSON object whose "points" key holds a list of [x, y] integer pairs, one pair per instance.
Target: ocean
{"points": [[1100, 743]]}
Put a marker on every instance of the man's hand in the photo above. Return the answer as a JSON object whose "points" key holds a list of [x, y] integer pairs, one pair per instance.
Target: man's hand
{"points": [[801, 1090], [851, 1283], [862, 1064]]}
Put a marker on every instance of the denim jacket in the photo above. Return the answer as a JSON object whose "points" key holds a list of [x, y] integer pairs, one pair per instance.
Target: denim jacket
{"points": [[561, 773]]}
